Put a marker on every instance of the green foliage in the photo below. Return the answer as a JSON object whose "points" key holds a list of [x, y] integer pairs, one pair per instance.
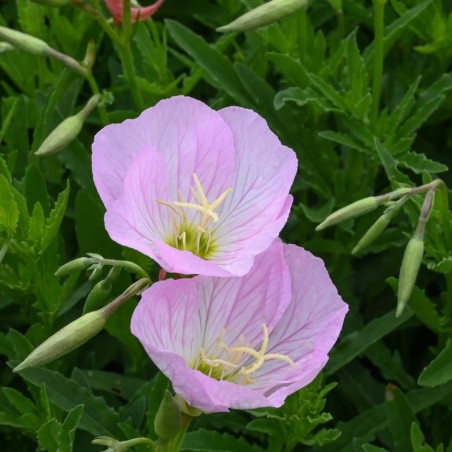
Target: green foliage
{"points": [[312, 77]]}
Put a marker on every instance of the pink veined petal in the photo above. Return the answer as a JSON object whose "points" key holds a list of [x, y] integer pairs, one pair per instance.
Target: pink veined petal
{"points": [[136, 219], [251, 217], [308, 329], [116, 8], [167, 318], [191, 138]]}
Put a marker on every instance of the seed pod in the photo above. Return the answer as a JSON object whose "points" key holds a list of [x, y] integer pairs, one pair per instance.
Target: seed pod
{"points": [[67, 130], [76, 265], [264, 15], [24, 42], [168, 420], [53, 3], [411, 262], [65, 340], [352, 210]]}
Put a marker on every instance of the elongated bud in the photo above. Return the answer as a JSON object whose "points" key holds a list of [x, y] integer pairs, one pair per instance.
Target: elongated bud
{"points": [[54, 3], [67, 130], [98, 296], [168, 420], [90, 55], [377, 228], [64, 341], [352, 210], [73, 266], [24, 42], [264, 15], [411, 262]]}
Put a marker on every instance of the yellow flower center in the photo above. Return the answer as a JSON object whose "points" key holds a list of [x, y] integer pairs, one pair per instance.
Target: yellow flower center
{"points": [[188, 236], [228, 367]]}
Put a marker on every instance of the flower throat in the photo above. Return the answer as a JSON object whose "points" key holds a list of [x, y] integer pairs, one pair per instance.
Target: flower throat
{"points": [[197, 238]]}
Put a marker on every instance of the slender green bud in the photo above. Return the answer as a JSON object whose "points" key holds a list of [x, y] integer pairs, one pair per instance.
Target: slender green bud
{"points": [[378, 227], [73, 266], [90, 55], [168, 420], [64, 341], [24, 42], [352, 210], [67, 130], [264, 15], [411, 262], [54, 3], [96, 272], [98, 296]]}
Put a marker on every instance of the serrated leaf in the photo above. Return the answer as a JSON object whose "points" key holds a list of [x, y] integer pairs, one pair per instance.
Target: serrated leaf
{"points": [[48, 435], [21, 403], [36, 226], [439, 371], [9, 212], [56, 216], [68, 428], [420, 163], [98, 418], [418, 439], [211, 60]]}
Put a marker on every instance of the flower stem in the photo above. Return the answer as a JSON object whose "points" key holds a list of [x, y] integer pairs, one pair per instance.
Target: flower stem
{"points": [[379, 6], [95, 89], [130, 266], [3, 251], [175, 444], [129, 70]]}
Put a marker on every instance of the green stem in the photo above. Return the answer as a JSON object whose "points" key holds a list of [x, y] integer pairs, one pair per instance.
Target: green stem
{"points": [[448, 298], [379, 6], [3, 251], [175, 444], [95, 89], [130, 266], [129, 70]]}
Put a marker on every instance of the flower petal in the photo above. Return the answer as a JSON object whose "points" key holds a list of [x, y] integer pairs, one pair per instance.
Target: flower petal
{"points": [[253, 215], [190, 136], [116, 8], [308, 329], [135, 219]]}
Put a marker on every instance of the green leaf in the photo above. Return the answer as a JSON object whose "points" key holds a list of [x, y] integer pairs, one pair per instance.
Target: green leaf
{"points": [[400, 416], [36, 226], [68, 428], [9, 212], [98, 418], [211, 60], [418, 439], [48, 435], [207, 441], [439, 371], [357, 342], [22, 404], [419, 163], [36, 190], [56, 216]]}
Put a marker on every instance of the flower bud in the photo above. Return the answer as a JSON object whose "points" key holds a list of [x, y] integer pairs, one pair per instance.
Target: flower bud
{"points": [[54, 3], [5, 47], [25, 42], [90, 55], [377, 228], [411, 262], [264, 15], [67, 130], [73, 266], [98, 296], [65, 340], [168, 420], [352, 210]]}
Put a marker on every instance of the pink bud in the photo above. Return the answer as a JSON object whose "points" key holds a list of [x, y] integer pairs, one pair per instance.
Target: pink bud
{"points": [[137, 13]]}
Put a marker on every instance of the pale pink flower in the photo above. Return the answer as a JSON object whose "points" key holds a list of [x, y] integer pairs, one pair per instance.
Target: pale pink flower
{"points": [[137, 12], [197, 190], [243, 342]]}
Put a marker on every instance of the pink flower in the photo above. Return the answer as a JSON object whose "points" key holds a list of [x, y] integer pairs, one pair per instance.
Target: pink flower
{"points": [[243, 342], [197, 190], [143, 12]]}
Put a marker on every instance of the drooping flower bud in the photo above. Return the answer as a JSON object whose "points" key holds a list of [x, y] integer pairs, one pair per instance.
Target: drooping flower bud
{"points": [[67, 130], [23, 41], [377, 228], [352, 210], [65, 340], [168, 420], [264, 15], [73, 266], [411, 262], [101, 291]]}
